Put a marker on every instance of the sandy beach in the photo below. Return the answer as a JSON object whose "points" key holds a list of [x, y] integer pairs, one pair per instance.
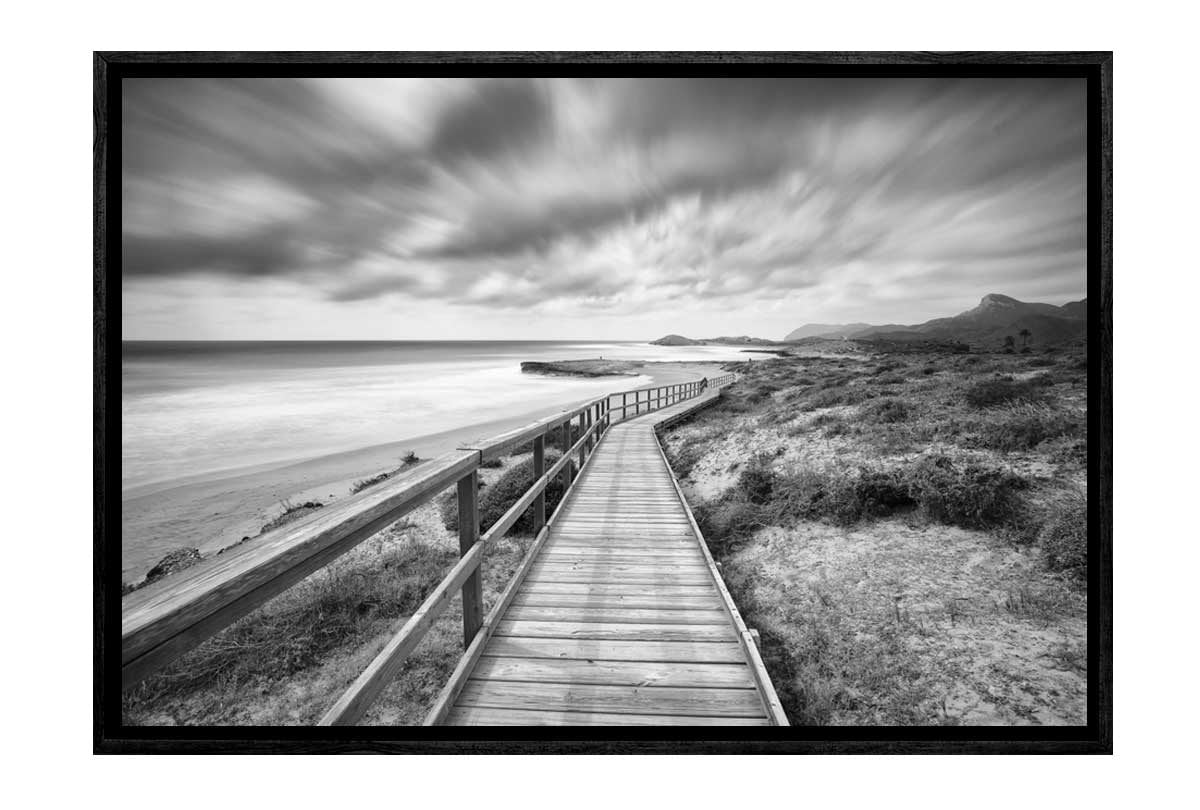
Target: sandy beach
{"points": [[217, 510]]}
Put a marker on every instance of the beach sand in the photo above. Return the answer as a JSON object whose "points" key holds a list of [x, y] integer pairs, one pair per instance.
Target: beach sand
{"points": [[211, 512]]}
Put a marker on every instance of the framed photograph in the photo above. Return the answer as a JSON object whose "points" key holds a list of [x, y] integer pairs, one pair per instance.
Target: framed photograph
{"points": [[603, 402]]}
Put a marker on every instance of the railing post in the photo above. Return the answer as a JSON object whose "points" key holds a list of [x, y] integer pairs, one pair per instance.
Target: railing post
{"points": [[625, 405], [539, 469], [468, 536], [566, 470]]}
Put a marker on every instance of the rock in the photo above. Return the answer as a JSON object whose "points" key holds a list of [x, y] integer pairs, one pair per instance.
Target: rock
{"points": [[177, 560]]}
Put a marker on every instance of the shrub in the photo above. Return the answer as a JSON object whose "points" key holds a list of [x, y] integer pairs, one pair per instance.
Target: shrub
{"points": [[1042, 362], [1000, 391], [824, 419], [554, 441], [929, 370], [887, 411], [877, 493], [756, 481], [1024, 426], [831, 398], [363, 483], [501, 495], [969, 495], [685, 458], [838, 429], [1063, 539], [411, 458]]}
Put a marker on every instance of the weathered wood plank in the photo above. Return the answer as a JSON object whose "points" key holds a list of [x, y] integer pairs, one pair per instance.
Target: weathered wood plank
{"points": [[609, 650], [644, 601], [558, 574], [628, 554], [618, 631], [615, 673], [471, 716], [699, 702], [602, 566], [616, 615], [597, 590]]}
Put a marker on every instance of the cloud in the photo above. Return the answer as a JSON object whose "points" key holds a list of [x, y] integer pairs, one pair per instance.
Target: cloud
{"points": [[577, 195]]}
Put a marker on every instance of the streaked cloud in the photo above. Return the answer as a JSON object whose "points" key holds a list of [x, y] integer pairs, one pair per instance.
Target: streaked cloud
{"points": [[703, 205]]}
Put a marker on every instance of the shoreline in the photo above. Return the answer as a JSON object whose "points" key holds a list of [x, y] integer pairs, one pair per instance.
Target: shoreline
{"points": [[213, 510]]}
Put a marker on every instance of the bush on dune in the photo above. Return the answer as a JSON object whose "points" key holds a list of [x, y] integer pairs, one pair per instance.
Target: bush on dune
{"points": [[1026, 425], [964, 494], [685, 457], [886, 411], [500, 496], [1001, 391], [1063, 538], [955, 493]]}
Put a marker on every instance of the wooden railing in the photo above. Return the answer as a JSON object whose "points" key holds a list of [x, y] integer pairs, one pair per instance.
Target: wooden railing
{"points": [[161, 622]]}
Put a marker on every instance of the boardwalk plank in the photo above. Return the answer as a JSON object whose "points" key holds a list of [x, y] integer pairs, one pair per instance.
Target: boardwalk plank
{"points": [[669, 700], [472, 716], [617, 631], [609, 650], [616, 615], [614, 673]]}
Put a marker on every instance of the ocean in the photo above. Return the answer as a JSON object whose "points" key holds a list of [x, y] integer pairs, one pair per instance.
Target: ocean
{"points": [[198, 408]]}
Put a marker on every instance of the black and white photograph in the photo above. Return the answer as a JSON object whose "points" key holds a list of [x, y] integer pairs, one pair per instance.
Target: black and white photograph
{"points": [[758, 400]]}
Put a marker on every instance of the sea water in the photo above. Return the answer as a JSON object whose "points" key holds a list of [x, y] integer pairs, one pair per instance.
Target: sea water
{"points": [[200, 407]]}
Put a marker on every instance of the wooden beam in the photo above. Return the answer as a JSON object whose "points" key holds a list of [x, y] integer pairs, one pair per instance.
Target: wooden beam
{"points": [[468, 536], [354, 702], [539, 468], [163, 621], [466, 664]]}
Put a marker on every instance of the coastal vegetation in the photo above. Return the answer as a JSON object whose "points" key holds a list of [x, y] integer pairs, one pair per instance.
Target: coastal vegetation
{"points": [[907, 530], [285, 663]]}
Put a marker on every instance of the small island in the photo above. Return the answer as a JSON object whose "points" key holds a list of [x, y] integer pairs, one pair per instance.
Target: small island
{"points": [[724, 340]]}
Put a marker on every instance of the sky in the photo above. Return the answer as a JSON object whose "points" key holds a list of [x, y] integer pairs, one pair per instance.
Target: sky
{"points": [[606, 208]]}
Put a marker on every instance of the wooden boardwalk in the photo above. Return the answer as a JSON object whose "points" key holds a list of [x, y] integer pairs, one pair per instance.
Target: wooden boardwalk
{"points": [[616, 616], [621, 617]]}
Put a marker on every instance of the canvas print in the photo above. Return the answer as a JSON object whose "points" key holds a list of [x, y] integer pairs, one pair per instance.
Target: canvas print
{"points": [[603, 401]]}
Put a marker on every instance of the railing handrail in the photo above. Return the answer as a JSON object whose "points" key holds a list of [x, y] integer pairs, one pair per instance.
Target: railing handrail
{"points": [[163, 621]]}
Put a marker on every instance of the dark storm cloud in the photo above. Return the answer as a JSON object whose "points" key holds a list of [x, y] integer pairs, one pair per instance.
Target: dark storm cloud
{"points": [[518, 192], [503, 115]]}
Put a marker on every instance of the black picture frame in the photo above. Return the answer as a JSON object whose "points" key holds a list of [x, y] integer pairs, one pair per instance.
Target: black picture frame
{"points": [[110, 736]]}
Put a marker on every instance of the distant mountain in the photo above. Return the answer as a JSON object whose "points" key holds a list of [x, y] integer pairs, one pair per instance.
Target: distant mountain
{"points": [[741, 340], [1076, 309], [996, 317], [826, 330]]}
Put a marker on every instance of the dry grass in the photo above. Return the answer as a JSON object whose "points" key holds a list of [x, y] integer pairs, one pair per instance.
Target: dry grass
{"points": [[850, 499], [287, 662]]}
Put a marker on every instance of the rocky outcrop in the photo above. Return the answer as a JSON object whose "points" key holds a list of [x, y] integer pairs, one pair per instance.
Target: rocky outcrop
{"points": [[176, 561]]}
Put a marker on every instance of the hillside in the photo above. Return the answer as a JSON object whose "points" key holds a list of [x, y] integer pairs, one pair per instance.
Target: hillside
{"points": [[826, 330], [996, 317]]}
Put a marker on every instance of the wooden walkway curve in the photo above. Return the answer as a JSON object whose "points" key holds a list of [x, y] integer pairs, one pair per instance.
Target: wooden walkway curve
{"points": [[621, 618]]}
